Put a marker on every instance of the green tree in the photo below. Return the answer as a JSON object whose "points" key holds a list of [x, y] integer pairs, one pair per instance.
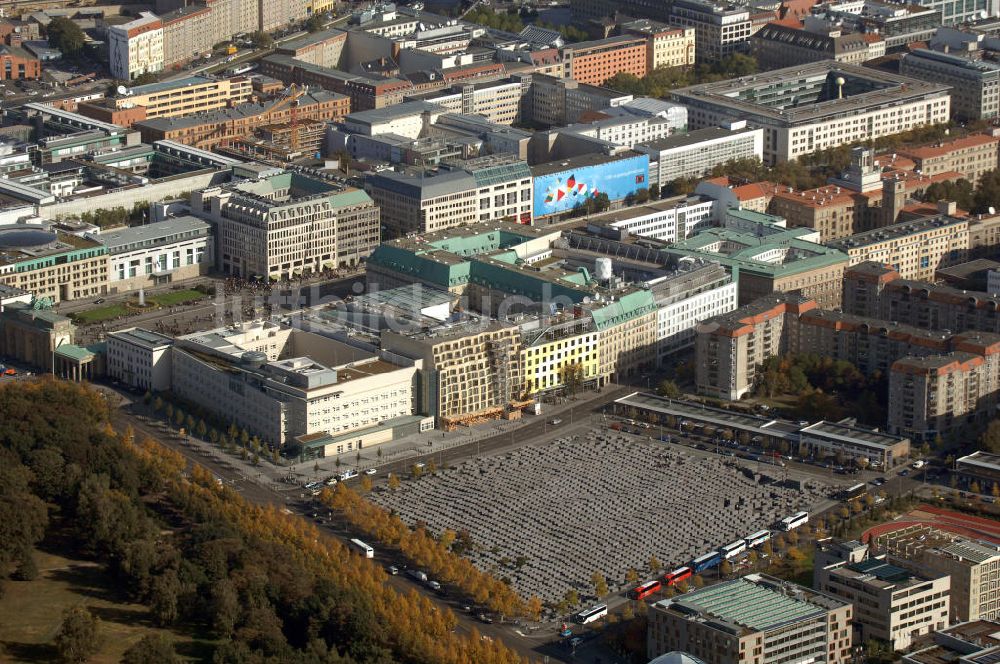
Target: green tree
{"points": [[164, 595], [573, 377], [78, 638], [151, 649], [315, 23], [632, 575], [669, 389], [261, 40], [66, 36]]}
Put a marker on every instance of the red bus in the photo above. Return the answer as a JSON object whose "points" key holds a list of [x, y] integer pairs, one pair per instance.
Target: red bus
{"points": [[644, 590], [678, 575]]}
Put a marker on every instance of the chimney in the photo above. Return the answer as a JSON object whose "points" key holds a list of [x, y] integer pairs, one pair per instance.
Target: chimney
{"points": [[947, 207]]}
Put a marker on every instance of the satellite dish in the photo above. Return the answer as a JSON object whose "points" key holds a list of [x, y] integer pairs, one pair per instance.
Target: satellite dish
{"points": [[122, 90], [993, 210]]}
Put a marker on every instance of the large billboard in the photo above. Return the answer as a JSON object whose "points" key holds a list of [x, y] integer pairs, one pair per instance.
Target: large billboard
{"points": [[560, 192]]}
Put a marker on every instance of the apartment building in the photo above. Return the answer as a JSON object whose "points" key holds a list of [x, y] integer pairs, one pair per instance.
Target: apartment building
{"points": [[720, 31], [666, 45], [943, 395], [471, 371], [282, 383], [158, 253], [915, 249], [140, 359], [975, 84], [186, 96], [288, 224], [136, 47], [187, 34], [594, 62], [16, 64], [974, 567], [51, 264], [696, 153], [460, 192], [756, 619], [628, 327], [890, 603], [877, 291], [208, 129], [803, 109], [729, 347], [970, 155], [777, 44]]}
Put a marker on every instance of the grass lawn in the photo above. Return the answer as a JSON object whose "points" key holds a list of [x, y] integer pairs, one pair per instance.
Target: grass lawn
{"points": [[99, 314], [32, 612], [172, 298]]}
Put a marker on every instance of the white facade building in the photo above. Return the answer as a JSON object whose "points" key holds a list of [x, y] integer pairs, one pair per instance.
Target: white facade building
{"points": [[670, 220], [140, 358], [136, 47], [158, 253], [697, 293]]}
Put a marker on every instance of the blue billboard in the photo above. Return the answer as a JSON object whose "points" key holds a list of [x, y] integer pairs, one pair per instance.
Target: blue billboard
{"points": [[560, 192]]}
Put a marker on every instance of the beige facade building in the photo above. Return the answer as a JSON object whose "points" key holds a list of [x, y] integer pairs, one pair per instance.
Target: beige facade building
{"points": [[187, 34], [471, 371], [890, 604], [54, 265], [974, 567], [970, 155], [282, 383], [756, 619], [140, 359], [288, 224], [32, 336], [667, 45], [187, 96], [915, 249], [158, 253]]}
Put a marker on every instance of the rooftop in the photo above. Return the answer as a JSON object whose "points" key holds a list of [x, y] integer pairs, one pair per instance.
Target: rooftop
{"points": [[895, 232], [981, 459], [239, 112], [124, 239], [145, 338], [844, 433], [590, 159], [754, 603], [693, 138], [161, 86]]}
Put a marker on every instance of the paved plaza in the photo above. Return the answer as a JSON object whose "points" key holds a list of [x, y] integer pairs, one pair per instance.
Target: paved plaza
{"points": [[602, 500]]}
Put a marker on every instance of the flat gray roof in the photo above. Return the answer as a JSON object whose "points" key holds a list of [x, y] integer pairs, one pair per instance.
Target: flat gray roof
{"points": [[142, 337], [693, 138], [135, 237]]}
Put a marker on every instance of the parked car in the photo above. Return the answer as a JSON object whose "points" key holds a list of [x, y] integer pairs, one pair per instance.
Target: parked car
{"points": [[486, 618], [393, 570], [554, 421], [371, 471], [99, 300]]}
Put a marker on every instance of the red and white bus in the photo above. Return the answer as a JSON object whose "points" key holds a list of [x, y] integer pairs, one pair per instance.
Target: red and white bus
{"points": [[678, 575], [644, 590]]}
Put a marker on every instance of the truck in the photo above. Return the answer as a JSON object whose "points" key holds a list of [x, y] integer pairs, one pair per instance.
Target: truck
{"points": [[231, 50], [418, 575]]}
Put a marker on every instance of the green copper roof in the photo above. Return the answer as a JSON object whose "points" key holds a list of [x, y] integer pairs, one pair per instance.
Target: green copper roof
{"points": [[628, 306]]}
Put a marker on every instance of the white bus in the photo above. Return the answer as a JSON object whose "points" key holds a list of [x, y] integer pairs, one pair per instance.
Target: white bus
{"points": [[757, 538], [734, 549], [592, 614], [794, 521], [363, 548]]}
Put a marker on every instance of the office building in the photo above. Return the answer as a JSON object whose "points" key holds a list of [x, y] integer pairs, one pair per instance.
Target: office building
{"points": [[777, 44], [694, 154], [890, 603], [208, 129], [183, 97], [695, 293], [975, 84], [594, 62], [563, 185], [560, 354], [497, 101], [459, 192], [974, 567], [471, 371], [756, 619], [51, 264], [974, 642], [322, 49], [140, 359], [771, 259], [282, 383], [555, 101], [807, 108], [720, 31], [669, 220], [915, 249], [158, 253], [288, 224], [970, 155], [136, 47], [667, 45], [365, 92]]}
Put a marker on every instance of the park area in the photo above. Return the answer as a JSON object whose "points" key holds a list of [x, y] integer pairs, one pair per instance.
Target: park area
{"points": [[547, 517], [114, 311]]}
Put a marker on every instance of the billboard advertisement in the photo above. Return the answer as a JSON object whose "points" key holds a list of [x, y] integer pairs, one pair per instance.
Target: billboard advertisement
{"points": [[560, 192]]}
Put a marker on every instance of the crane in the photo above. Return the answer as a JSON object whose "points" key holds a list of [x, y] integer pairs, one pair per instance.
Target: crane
{"points": [[292, 97]]}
